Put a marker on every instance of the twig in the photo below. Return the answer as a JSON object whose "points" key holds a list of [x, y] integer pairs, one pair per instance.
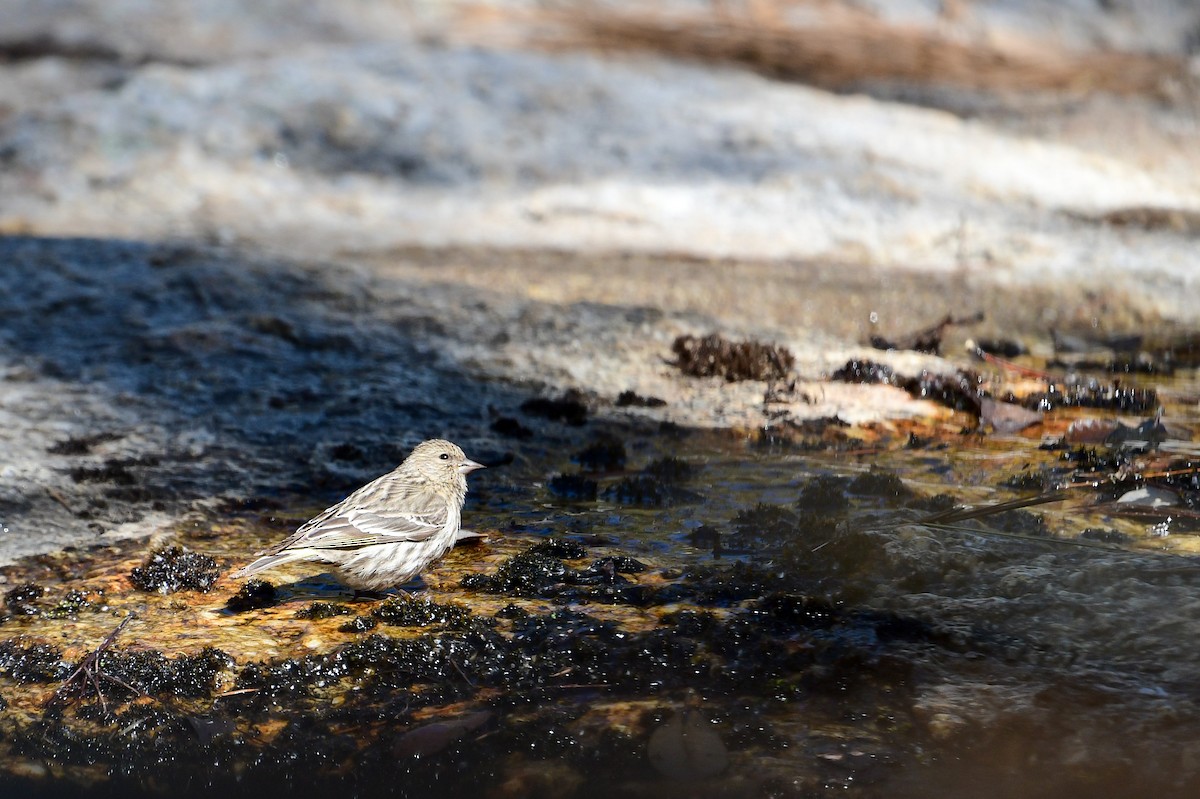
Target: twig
{"points": [[236, 692], [89, 669], [58, 497], [959, 513], [1004, 363], [461, 673]]}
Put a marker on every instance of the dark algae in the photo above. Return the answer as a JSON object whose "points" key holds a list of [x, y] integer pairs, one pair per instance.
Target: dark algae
{"points": [[715, 356], [175, 569]]}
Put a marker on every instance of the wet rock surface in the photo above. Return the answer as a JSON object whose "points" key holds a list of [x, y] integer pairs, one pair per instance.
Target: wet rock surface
{"points": [[640, 573], [144, 380], [707, 569]]}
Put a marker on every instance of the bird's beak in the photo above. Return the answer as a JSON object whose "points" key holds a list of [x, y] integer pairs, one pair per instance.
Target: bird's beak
{"points": [[469, 466]]}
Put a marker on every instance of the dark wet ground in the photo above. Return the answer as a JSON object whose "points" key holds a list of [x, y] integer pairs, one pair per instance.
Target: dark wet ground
{"points": [[657, 609]]}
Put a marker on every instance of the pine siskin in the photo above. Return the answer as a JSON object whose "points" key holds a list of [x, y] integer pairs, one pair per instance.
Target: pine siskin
{"points": [[391, 529]]}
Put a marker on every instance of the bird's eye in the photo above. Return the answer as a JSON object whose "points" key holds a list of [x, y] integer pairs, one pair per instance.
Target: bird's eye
{"points": [[444, 456]]}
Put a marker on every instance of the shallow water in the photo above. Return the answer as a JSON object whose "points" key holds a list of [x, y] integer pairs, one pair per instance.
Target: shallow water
{"points": [[1002, 656], [1048, 664]]}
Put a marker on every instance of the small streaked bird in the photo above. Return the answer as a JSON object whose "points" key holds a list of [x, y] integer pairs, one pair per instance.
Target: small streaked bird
{"points": [[390, 530]]}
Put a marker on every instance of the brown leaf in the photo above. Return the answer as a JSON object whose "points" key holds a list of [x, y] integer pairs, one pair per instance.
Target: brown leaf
{"points": [[1004, 417], [429, 739]]}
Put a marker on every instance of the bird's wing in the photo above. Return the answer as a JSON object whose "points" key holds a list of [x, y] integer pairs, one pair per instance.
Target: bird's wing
{"points": [[393, 512], [384, 486], [360, 528]]}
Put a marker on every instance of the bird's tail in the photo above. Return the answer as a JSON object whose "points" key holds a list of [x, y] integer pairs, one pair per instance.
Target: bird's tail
{"points": [[264, 563]]}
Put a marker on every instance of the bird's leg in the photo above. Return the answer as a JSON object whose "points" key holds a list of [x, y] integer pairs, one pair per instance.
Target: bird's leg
{"points": [[362, 595]]}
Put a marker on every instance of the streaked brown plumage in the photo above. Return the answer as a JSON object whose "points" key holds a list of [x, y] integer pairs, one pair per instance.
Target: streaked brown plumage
{"points": [[390, 530]]}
